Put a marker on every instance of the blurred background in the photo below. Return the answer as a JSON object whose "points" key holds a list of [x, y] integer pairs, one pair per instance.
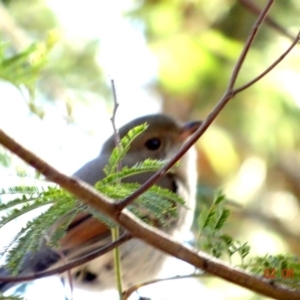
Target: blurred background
{"points": [[173, 56]]}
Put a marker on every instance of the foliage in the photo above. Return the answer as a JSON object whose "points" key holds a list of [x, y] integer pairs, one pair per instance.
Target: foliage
{"points": [[72, 67], [282, 268], [122, 148], [23, 69], [211, 238], [196, 45], [253, 146], [155, 205]]}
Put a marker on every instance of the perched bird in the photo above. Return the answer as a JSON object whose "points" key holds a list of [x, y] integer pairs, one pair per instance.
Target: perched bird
{"points": [[140, 262]]}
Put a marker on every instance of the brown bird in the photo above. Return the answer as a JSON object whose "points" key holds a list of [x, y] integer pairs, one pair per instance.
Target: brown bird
{"points": [[140, 262]]}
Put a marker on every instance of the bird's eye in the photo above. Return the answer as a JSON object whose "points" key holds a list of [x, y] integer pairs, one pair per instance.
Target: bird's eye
{"points": [[153, 144]]}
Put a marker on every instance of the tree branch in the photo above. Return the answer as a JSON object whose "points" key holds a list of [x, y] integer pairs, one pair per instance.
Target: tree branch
{"points": [[246, 48], [268, 20], [72, 264], [229, 94], [271, 67], [151, 235], [145, 232]]}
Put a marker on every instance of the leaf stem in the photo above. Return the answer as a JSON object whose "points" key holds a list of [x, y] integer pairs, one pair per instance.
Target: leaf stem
{"points": [[117, 262]]}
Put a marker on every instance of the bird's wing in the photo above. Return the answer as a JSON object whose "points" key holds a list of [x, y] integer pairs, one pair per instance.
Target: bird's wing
{"points": [[85, 230]]}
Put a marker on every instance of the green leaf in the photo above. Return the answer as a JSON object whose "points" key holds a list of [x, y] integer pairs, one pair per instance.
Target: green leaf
{"points": [[149, 165], [43, 197], [156, 206], [211, 238], [35, 232], [219, 198], [201, 221], [120, 151], [156, 203], [100, 216], [222, 219]]}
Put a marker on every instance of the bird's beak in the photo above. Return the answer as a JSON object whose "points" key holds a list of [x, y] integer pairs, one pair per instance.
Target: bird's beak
{"points": [[188, 129]]}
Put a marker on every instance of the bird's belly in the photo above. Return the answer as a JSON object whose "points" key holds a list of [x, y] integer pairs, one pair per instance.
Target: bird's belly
{"points": [[141, 262]]}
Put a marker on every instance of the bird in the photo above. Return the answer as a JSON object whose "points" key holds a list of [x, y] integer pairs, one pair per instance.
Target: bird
{"points": [[161, 140]]}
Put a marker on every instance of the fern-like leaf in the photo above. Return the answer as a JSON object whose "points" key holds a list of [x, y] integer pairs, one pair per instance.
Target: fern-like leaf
{"points": [[149, 165], [157, 202], [47, 196], [120, 151], [222, 218], [156, 206], [101, 217], [36, 230], [20, 190]]}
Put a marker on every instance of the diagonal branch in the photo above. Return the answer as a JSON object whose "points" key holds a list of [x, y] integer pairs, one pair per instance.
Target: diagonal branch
{"points": [[268, 20], [147, 233], [72, 264], [246, 48], [210, 118], [271, 67], [229, 94]]}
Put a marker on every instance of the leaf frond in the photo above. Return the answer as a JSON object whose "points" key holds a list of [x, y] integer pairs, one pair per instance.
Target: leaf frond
{"points": [[149, 165], [120, 151]]}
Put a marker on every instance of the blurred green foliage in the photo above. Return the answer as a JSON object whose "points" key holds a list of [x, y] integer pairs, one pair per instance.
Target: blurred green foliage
{"points": [[24, 68], [73, 66], [253, 148], [197, 44]]}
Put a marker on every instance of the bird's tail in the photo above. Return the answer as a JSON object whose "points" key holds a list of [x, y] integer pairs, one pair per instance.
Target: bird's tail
{"points": [[33, 263], [4, 286]]}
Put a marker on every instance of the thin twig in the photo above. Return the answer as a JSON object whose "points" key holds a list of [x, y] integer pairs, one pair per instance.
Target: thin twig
{"points": [[70, 265], [268, 20], [113, 118], [270, 68], [147, 233], [65, 262], [211, 117], [135, 287], [246, 48], [115, 231], [117, 262], [150, 235]]}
